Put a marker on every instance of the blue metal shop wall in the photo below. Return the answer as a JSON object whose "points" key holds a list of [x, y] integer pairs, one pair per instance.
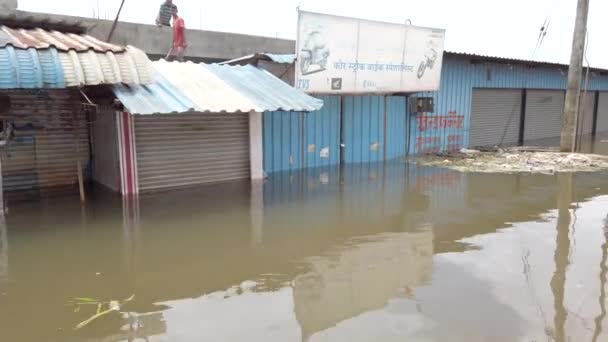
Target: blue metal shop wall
{"points": [[396, 137], [282, 141], [363, 129], [448, 127], [322, 134]]}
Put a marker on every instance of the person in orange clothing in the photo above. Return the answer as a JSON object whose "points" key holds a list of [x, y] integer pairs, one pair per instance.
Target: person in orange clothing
{"points": [[179, 38]]}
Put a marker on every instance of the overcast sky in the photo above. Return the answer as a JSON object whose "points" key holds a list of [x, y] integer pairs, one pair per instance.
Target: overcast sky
{"points": [[507, 28]]}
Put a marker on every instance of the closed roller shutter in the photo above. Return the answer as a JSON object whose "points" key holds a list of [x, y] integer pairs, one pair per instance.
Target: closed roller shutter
{"points": [[187, 149], [586, 112], [495, 114], [43, 153], [544, 110], [602, 113]]}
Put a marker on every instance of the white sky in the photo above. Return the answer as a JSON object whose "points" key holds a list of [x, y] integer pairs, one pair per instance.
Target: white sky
{"points": [[506, 28]]}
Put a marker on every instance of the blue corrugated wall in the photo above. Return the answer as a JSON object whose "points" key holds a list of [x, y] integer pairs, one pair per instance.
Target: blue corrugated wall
{"points": [[322, 134], [282, 141], [364, 131], [294, 140], [458, 78], [395, 127]]}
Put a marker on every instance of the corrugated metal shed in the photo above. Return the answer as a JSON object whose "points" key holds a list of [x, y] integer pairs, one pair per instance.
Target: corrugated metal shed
{"points": [[272, 57], [213, 88], [458, 79], [41, 39]]}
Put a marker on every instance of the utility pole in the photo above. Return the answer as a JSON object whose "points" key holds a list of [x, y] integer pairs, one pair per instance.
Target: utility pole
{"points": [[575, 73]]}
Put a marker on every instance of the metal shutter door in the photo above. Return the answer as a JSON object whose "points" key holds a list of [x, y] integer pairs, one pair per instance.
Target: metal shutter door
{"points": [[544, 110], [495, 113], [178, 150], [586, 113], [602, 113], [43, 153]]}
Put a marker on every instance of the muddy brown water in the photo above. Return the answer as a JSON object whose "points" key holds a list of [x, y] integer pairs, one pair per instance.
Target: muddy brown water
{"points": [[390, 252]]}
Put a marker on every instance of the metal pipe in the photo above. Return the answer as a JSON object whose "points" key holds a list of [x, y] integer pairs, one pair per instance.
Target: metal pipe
{"points": [[115, 21]]}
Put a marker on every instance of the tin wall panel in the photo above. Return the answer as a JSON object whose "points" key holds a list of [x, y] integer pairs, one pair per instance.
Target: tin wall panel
{"points": [[586, 112], [396, 137], [322, 134], [282, 141], [458, 79], [363, 129], [106, 164], [602, 113], [48, 123], [178, 150], [495, 117], [544, 110]]}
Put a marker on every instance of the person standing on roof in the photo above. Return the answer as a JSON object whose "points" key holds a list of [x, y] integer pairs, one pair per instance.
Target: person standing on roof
{"points": [[179, 38], [165, 13]]}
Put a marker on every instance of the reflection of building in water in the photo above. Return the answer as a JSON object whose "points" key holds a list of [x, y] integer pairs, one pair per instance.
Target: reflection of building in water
{"points": [[3, 249], [361, 279]]}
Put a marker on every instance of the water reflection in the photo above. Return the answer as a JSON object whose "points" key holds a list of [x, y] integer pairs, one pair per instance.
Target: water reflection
{"points": [[3, 250], [361, 279], [366, 253], [599, 320], [561, 256]]}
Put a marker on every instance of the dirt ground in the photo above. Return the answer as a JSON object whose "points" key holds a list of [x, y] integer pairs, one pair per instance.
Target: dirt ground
{"points": [[531, 160]]}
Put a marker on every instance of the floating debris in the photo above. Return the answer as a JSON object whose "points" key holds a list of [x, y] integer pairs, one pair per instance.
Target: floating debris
{"points": [[529, 160], [102, 308]]}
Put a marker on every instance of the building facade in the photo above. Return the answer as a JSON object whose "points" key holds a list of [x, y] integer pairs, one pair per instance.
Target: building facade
{"points": [[196, 124], [482, 101], [45, 114]]}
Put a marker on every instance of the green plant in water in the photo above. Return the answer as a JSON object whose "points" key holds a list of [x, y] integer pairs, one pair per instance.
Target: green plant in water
{"points": [[102, 308]]}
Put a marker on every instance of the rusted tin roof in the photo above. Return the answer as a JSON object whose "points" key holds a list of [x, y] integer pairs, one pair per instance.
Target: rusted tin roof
{"points": [[38, 39]]}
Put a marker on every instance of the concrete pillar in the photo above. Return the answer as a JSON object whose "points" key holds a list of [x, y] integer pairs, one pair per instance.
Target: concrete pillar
{"points": [[8, 5], [256, 146]]}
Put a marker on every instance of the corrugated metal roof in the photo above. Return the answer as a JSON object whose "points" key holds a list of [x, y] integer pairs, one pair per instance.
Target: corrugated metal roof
{"points": [[273, 57], [158, 97], [262, 88], [41, 39], [502, 59], [94, 68], [183, 87], [208, 92], [282, 58], [49, 68], [30, 69]]}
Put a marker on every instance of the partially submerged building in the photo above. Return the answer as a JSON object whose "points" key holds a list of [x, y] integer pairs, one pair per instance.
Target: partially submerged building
{"points": [[482, 101], [196, 124], [45, 76]]}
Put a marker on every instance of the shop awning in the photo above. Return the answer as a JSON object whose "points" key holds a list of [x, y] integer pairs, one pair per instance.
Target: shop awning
{"points": [[187, 87]]}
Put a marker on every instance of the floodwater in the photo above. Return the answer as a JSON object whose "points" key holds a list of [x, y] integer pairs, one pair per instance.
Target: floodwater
{"points": [[389, 252]]}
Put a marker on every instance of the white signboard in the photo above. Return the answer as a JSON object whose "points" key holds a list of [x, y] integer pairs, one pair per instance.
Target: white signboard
{"points": [[337, 55]]}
